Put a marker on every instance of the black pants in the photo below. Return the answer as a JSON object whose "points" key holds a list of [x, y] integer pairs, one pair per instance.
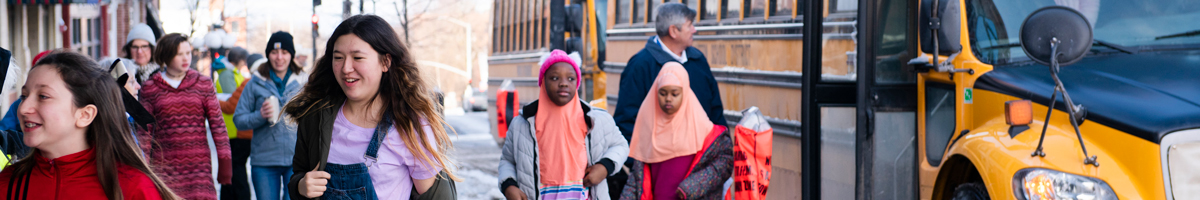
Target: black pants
{"points": [[240, 188]]}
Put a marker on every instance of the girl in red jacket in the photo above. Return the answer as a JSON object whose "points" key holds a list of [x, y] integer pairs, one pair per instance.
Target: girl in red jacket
{"points": [[73, 118]]}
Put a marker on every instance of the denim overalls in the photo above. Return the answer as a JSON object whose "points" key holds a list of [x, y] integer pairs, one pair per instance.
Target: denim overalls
{"points": [[352, 182]]}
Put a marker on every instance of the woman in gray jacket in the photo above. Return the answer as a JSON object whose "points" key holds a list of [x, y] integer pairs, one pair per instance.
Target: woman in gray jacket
{"points": [[560, 148], [274, 141]]}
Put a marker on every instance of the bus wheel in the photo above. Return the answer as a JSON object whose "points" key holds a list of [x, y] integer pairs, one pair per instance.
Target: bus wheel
{"points": [[970, 191]]}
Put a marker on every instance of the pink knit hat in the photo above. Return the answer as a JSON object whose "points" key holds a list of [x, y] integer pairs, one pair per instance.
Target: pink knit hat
{"points": [[558, 56]]}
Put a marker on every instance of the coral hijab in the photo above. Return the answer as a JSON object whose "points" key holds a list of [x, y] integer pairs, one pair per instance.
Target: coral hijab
{"points": [[658, 136], [561, 133]]}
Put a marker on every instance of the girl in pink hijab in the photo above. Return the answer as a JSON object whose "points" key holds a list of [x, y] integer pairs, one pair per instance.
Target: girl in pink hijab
{"points": [[560, 148], [679, 153]]}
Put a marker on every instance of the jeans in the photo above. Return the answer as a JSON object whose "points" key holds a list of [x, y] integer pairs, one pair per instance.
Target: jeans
{"points": [[269, 181]]}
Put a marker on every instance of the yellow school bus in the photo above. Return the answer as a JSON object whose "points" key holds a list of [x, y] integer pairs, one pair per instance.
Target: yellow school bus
{"points": [[1124, 116], [863, 109]]}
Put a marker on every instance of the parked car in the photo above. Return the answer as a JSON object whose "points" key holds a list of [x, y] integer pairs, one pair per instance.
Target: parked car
{"points": [[474, 99]]}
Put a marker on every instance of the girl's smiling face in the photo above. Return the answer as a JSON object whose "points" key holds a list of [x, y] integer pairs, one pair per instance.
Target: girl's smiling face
{"points": [[49, 114], [670, 98], [357, 67]]}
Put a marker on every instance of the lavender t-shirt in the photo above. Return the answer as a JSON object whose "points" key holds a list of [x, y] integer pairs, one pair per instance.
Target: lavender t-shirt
{"points": [[395, 168]]}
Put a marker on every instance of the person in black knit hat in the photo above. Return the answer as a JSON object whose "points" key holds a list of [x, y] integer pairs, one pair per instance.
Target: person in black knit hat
{"points": [[274, 141]]}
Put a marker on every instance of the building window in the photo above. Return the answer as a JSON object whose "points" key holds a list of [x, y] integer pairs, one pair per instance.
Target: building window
{"points": [[75, 31], [94, 37]]}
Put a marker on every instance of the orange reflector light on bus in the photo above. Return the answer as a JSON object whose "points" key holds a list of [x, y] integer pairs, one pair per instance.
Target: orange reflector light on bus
{"points": [[1018, 112]]}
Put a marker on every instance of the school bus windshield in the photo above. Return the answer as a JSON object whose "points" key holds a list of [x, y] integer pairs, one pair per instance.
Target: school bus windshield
{"points": [[994, 25]]}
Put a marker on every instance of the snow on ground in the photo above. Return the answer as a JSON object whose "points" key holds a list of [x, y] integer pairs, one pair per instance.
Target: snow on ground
{"points": [[477, 184]]}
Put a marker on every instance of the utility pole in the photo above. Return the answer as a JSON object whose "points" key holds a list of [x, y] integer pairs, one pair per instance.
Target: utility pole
{"points": [[314, 31], [346, 9]]}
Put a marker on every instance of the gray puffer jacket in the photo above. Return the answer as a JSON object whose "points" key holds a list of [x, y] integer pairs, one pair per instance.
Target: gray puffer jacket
{"points": [[518, 161]]}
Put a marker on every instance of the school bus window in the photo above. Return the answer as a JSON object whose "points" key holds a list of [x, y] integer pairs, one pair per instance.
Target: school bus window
{"points": [[733, 9], [653, 12], [639, 11], [988, 35], [504, 21], [534, 26], [542, 31], [495, 27], [837, 6], [622, 11], [783, 8], [523, 24], [939, 120], [526, 28], [893, 44], [693, 4], [710, 10], [758, 8]]}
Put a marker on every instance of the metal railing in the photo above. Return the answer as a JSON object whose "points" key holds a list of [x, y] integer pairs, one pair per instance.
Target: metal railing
{"points": [[783, 79], [733, 27]]}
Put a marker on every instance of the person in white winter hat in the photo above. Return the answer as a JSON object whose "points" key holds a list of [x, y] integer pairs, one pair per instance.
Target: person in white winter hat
{"points": [[138, 50]]}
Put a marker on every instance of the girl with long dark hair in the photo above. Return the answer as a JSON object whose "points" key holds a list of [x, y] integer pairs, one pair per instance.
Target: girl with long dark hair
{"points": [[366, 120], [74, 120]]}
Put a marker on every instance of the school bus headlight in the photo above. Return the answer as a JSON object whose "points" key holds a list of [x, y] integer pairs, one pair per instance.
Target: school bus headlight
{"points": [[1035, 183]]}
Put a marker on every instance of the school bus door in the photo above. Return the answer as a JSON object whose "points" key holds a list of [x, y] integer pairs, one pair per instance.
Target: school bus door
{"points": [[860, 100]]}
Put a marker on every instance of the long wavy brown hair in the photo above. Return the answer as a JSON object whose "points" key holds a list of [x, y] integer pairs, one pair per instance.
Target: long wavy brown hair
{"points": [[404, 92], [109, 134]]}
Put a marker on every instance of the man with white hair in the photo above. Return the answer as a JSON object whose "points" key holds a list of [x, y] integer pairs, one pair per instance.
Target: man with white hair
{"points": [[673, 43]]}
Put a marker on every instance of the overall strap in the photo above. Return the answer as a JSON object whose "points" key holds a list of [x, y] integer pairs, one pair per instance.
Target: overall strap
{"points": [[381, 130]]}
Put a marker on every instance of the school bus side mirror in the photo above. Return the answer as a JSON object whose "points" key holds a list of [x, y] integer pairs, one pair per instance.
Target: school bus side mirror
{"points": [[1056, 33], [945, 21]]}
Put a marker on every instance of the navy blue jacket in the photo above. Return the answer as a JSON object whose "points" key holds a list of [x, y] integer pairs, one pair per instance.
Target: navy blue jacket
{"points": [[643, 68]]}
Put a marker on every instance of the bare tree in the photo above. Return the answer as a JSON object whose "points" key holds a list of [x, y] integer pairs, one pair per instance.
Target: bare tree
{"points": [[411, 20], [192, 7]]}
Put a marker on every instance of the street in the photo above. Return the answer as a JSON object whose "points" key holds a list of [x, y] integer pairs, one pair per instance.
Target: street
{"points": [[477, 156]]}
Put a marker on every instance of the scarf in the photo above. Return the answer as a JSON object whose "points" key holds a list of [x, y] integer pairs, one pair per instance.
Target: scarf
{"points": [[280, 84]]}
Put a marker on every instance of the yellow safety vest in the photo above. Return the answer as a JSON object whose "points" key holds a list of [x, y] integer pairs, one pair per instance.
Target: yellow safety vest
{"points": [[237, 78]]}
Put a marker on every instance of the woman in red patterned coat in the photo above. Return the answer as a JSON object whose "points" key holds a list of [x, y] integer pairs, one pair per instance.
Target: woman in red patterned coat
{"points": [[182, 101]]}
